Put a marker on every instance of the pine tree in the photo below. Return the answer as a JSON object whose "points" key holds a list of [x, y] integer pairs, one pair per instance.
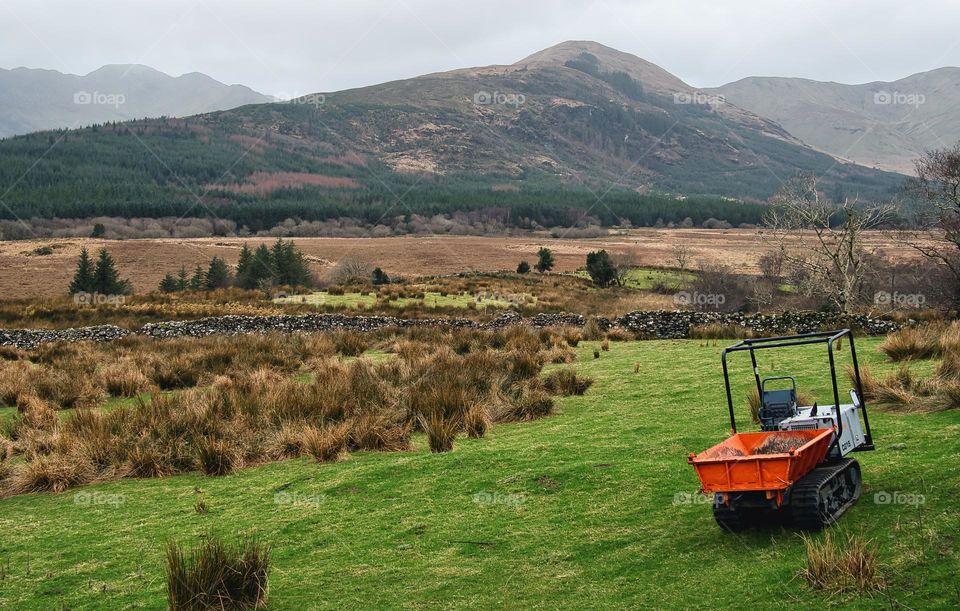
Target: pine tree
{"points": [[83, 278], [243, 266], [261, 268], [379, 276], [197, 281], [544, 260], [106, 279], [182, 281], [218, 275], [523, 268], [169, 284]]}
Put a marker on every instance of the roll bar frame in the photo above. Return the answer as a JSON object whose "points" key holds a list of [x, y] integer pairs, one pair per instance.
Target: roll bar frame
{"points": [[803, 339]]}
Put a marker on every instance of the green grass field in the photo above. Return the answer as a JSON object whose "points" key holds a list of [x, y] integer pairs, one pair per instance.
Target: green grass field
{"points": [[429, 300], [588, 508], [646, 278]]}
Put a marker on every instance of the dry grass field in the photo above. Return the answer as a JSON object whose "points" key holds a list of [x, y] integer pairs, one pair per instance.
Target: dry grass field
{"points": [[25, 274]]}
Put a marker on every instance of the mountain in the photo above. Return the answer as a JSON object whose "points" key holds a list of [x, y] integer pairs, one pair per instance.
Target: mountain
{"points": [[881, 124], [578, 126], [33, 100]]}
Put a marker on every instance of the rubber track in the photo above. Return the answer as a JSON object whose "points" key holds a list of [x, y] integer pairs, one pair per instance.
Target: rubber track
{"points": [[805, 496]]}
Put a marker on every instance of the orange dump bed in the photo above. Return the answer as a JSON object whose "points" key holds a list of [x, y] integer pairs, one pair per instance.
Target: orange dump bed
{"points": [[770, 461]]}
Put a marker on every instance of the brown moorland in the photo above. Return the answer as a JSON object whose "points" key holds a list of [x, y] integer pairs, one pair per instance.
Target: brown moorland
{"points": [[24, 274]]}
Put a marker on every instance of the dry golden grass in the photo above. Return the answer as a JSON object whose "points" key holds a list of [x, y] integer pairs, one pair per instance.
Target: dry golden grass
{"points": [[246, 400], [837, 564]]}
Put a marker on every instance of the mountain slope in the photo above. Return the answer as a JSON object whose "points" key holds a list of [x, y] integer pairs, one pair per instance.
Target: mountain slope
{"points": [[882, 124], [33, 100], [557, 130]]}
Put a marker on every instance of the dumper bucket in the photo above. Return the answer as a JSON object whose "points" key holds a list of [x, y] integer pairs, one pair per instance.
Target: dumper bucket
{"points": [[770, 461]]}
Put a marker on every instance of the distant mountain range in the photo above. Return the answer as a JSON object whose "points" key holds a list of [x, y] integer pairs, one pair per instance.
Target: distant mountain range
{"points": [[879, 124], [33, 100], [578, 126]]}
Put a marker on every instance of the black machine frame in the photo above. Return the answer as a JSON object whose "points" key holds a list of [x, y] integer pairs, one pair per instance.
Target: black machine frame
{"points": [[820, 337]]}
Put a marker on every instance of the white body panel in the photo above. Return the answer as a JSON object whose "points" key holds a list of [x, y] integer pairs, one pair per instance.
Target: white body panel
{"points": [[852, 436]]}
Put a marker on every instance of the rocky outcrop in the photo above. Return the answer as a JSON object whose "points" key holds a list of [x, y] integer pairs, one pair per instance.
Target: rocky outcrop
{"points": [[654, 325]]}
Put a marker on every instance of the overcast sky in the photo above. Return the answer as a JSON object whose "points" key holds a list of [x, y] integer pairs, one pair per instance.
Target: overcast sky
{"points": [[294, 47]]}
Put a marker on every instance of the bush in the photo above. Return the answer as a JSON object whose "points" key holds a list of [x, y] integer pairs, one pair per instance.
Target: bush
{"points": [[217, 456], [217, 575]]}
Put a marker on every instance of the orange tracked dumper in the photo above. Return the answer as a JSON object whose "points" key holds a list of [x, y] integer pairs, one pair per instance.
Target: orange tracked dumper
{"points": [[796, 466]]}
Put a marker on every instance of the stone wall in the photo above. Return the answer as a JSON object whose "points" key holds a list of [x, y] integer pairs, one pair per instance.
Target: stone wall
{"points": [[659, 325]]}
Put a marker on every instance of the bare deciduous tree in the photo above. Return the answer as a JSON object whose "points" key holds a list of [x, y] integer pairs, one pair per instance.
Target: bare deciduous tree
{"points": [[823, 240], [938, 184]]}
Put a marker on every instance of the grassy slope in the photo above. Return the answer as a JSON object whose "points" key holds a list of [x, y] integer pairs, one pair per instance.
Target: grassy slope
{"points": [[598, 526]]}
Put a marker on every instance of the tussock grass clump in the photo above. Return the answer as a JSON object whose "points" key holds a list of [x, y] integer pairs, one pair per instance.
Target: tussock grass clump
{"points": [[327, 444], [619, 334], [912, 343], [217, 456], [50, 474], [217, 575], [441, 430], [591, 330], [476, 420], [837, 564], [566, 382], [350, 343], [124, 378], [718, 331], [244, 410]]}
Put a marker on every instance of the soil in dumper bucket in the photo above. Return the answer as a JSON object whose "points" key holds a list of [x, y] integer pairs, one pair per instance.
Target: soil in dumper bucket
{"points": [[780, 444]]}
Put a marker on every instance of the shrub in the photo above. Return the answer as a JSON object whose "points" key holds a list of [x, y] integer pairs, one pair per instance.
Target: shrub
{"points": [[217, 575]]}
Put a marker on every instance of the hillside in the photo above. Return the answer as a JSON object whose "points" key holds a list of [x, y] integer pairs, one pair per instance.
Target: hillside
{"points": [[881, 124], [33, 100], [537, 138]]}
